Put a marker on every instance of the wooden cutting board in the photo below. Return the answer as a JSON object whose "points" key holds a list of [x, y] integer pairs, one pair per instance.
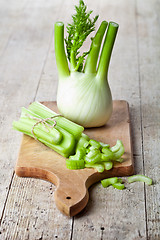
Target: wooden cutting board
{"points": [[71, 196]]}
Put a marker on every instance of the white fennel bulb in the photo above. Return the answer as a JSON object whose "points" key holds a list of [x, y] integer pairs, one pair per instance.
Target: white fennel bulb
{"points": [[83, 94], [84, 99]]}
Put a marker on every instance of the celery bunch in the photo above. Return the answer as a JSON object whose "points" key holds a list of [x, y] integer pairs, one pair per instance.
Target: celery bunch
{"points": [[62, 138]]}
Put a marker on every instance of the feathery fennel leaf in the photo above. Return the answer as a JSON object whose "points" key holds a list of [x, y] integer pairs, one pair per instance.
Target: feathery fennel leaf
{"points": [[78, 31]]}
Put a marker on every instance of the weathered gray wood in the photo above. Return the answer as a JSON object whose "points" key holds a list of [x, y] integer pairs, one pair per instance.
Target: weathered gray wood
{"points": [[16, 77], [149, 55], [113, 214], [21, 68], [30, 212], [28, 71]]}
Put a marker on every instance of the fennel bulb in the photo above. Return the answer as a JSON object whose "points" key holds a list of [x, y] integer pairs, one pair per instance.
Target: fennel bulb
{"points": [[83, 94], [84, 99]]}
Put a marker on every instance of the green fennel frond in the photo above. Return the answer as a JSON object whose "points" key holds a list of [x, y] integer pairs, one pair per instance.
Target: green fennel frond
{"points": [[78, 31]]}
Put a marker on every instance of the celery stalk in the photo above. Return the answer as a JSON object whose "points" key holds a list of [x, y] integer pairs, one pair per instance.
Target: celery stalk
{"points": [[44, 112], [58, 139]]}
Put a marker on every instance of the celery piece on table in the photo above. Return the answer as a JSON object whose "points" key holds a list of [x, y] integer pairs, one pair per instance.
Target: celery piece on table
{"points": [[118, 185], [140, 178], [109, 181]]}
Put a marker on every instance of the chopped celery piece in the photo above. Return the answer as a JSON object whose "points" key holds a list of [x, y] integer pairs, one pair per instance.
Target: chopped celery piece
{"points": [[92, 148], [108, 165], [94, 156], [140, 178], [75, 164], [118, 155], [105, 157], [104, 145], [107, 154], [82, 142], [87, 150], [94, 143], [118, 150], [99, 167], [118, 186], [117, 146], [45, 112], [109, 181], [120, 160], [80, 153], [93, 153], [85, 136], [120, 180]]}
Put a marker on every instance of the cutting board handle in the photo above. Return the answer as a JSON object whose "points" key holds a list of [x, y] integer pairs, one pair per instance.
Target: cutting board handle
{"points": [[71, 194], [70, 199]]}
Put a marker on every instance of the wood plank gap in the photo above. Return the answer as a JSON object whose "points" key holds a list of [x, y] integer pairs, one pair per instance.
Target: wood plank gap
{"points": [[45, 61], [136, 155], [72, 228], [141, 117], [9, 188]]}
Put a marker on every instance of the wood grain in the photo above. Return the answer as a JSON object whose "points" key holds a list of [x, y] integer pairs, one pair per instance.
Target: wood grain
{"points": [[71, 196], [28, 71], [149, 57]]}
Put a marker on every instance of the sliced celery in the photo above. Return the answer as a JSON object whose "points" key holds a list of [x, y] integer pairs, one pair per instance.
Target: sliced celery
{"points": [[120, 180], [107, 154], [120, 160], [99, 167], [104, 144], [82, 142], [117, 146], [108, 165], [118, 186], [80, 153], [75, 164], [109, 181], [118, 150], [94, 143], [94, 156], [140, 178], [85, 136], [118, 155]]}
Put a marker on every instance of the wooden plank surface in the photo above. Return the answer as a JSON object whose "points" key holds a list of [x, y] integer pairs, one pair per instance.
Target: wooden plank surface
{"points": [[149, 58], [28, 72]]}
